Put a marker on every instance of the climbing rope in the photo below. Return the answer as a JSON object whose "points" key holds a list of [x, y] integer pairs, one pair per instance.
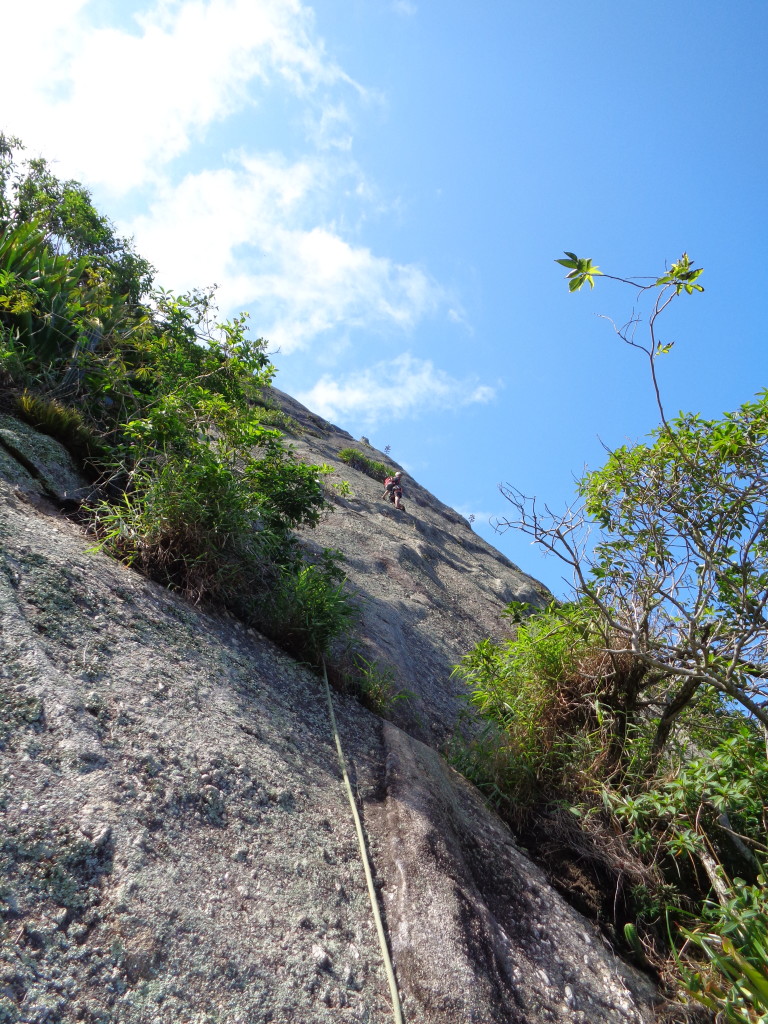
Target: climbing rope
{"points": [[396, 1006]]}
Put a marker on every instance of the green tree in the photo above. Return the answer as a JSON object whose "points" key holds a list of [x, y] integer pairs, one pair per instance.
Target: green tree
{"points": [[30, 193], [643, 703], [678, 573]]}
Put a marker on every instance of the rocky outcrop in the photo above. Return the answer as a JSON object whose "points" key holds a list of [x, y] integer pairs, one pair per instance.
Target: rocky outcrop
{"points": [[177, 846]]}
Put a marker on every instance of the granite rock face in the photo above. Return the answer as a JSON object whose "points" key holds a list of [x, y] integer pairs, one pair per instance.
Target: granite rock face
{"points": [[176, 843], [428, 587]]}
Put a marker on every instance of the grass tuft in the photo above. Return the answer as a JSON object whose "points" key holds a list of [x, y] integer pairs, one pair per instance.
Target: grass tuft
{"points": [[359, 460], [372, 682], [62, 422]]}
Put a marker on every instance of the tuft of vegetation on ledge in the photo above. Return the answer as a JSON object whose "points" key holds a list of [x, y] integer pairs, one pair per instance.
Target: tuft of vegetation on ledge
{"points": [[358, 460]]}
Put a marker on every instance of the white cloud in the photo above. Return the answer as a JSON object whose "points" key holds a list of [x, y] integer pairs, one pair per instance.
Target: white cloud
{"points": [[404, 7], [116, 106], [403, 386], [483, 393], [324, 283], [332, 129], [249, 228], [121, 101]]}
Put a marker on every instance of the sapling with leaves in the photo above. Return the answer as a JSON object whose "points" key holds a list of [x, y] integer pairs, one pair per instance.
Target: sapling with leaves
{"points": [[680, 277]]}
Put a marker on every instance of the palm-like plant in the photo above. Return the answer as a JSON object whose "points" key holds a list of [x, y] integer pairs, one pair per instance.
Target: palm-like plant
{"points": [[40, 297]]}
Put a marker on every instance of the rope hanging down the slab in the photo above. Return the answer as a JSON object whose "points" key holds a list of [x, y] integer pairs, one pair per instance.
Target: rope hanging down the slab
{"points": [[396, 1006]]}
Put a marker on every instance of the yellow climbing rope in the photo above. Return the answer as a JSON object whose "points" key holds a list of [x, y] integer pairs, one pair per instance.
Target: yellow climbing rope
{"points": [[396, 1006]]}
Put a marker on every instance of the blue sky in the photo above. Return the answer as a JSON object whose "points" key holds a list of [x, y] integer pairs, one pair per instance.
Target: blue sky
{"points": [[384, 185]]}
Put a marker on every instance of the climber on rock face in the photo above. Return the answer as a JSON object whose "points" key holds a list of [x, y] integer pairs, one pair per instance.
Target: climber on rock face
{"points": [[393, 490]]}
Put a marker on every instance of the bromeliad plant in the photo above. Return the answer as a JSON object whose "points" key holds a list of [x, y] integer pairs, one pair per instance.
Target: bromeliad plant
{"points": [[734, 984], [40, 300]]}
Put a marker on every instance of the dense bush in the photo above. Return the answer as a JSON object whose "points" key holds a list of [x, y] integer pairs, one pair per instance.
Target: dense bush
{"points": [[562, 726], [165, 406]]}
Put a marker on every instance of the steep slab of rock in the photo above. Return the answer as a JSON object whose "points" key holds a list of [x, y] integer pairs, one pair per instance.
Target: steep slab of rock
{"points": [[177, 845], [429, 588]]}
